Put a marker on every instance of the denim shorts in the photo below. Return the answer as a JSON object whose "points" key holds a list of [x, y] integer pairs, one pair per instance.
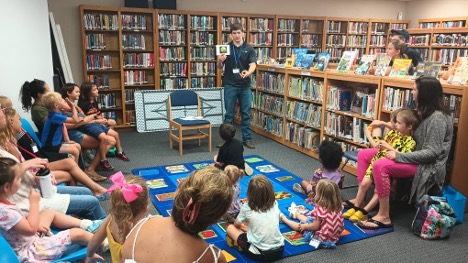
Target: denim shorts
{"points": [[76, 136], [94, 129]]}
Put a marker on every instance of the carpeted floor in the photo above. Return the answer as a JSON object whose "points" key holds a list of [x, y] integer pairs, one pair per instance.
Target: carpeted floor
{"points": [[152, 149]]}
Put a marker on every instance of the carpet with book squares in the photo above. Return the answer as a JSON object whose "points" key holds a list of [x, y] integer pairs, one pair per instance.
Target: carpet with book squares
{"points": [[163, 181]]}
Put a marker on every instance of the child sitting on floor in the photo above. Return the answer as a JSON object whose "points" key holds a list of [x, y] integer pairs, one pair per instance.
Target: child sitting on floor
{"points": [[232, 151], [330, 155], [234, 174], [261, 238], [399, 139], [30, 236], [325, 222], [129, 205]]}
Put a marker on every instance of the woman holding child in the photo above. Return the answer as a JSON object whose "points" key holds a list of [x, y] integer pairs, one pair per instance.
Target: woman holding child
{"points": [[427, 163]]}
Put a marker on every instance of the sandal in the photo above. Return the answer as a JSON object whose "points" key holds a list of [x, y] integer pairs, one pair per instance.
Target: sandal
{"points": [[377, 223], [347, 204]]}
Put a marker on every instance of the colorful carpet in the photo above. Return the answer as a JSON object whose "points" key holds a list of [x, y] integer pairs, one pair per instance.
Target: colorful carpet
{"points": [[163, 181]]}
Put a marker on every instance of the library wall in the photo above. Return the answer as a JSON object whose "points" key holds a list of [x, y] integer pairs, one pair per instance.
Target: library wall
{"points": [[66, 14], [25, 48], [434, 9]]}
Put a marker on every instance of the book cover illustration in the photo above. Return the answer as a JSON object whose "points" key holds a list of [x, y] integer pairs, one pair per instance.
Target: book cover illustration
{"points": [[400, 67], [207, 234], [282, 195], [165, 196], [295, 238], [307, 60], [298, 53], [253, 160], [346, 61], [156, 183], [431, 69], [223, 50], [382, 64], [289, 63], [199, 166], [175, 169], [267, 168], [322, 61], [419, 70], [284, 178], [364, 64], [223, 225]]}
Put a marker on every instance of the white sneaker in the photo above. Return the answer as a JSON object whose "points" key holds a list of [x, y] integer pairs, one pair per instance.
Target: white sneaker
{"points": [[298, 189], [248, 170], [292, 210]]}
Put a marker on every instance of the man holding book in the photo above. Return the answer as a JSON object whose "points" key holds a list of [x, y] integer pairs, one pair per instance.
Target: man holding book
{"points": [[238, 66], [404, 36]]}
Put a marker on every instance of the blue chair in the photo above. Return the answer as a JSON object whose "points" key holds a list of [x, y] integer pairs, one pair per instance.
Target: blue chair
{"points": [[186, 100], [30, 130], [349, 155]]}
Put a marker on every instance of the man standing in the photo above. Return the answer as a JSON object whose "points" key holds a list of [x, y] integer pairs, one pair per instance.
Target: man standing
{"points": [[238, 67], [403, 35]]}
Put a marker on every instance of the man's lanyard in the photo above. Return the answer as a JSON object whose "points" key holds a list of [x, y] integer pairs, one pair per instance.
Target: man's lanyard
{"points": [[237, 58]]}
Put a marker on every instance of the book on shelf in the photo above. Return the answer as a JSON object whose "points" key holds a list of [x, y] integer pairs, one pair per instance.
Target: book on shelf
{"points": [[322, 61], [400, 67], [382, 64], [431, 69], [307, 60], [346, 61], [298, 53], [461, 73], [364, 64]]}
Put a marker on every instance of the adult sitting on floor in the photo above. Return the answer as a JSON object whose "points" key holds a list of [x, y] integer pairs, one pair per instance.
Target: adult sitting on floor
{"points": [[427, 163]]}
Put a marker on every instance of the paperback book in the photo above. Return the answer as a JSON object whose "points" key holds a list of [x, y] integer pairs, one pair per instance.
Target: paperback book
{"points": [[307, 60], [431, 69], [382, 64], [156, 183], [346, 61], [322, 61], [298, 54], [364, 64], [267, 168], [400, 67]]}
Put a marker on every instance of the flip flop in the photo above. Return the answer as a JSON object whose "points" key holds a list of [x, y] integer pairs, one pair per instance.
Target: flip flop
{"points": [[377, 223], [347, 204]]}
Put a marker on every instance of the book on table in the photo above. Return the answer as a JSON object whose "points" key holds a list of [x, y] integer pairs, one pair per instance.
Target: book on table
{"points": [[298, 54], [400, 67], [382, 64], [364, 64], [322, 61], [346, 61]]}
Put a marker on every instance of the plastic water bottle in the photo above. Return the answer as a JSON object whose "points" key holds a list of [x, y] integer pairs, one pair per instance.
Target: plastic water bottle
{"points": [[45, 182]]}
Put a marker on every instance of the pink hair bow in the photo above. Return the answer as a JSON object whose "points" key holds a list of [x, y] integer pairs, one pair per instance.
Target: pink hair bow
{"points": [[129, 191]]}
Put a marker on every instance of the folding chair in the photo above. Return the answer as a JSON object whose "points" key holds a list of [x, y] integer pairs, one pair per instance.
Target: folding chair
{"points": [[186, 100]]}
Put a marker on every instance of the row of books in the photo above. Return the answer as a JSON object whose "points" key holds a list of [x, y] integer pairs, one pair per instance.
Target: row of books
{"points": [[335, 54], [268, 123], [138, 60], [379, 28], [306, 113], [302, 136], [101, 81], [226, 38], [378, 41], [398, 26], [95, 41], [202, 23], [336, 41], [448, 24], [365, 104], [100, 22], [98, 62], [203, 82], [357, 27], [338, 98], [334, 27], [284, 52], [376, 50], [226, 22], [171, 22], [263, 54], [286, 40], [310, 40], [269, 103], [173, 69], [420, 40], [395, 98], [136, 22], [129, 95], [203, 68], [203, 53], [130, 117], [107, 101], [171, 37], [133, 42], [261, 24], [346, 127], [287, 25], [271, 82], [423, 52], [134, 77], [202, 38], [261, 39], [109, 115], [306, 88], [453, 103], [173, 83], [172, 53], [448, 56], [454, 40], [356, 41]]}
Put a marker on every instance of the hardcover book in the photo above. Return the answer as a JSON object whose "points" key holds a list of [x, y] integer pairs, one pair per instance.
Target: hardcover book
{"points": [[346, 61], [322, 61], [298, 53], [307, 60], [400, 67], [431, 69], [364, 64], [382, 64]]}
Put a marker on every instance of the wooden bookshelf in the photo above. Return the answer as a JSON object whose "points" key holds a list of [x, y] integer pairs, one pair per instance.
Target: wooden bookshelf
{"points": [[261, 36], [447, 22], [312, 33], [287, 36], [379, 33]]}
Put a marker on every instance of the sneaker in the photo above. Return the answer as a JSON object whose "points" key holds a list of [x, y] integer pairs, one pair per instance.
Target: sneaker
{"points": [[122, 156], [298, 189], [94, 226], [349, 213], [247, 169], [292, 210], [249, 145], [95, 176], [358, 216], [219, 145], [105, 165]]}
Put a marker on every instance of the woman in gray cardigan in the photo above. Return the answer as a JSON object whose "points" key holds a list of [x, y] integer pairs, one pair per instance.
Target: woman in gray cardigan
{"points": [[433, 140]]}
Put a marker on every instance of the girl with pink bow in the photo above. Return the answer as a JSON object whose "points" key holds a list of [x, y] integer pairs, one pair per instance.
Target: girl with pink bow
{"points": [[129, 206]]}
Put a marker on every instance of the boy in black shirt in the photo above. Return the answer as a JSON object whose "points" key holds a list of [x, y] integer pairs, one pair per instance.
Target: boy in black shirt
{"points": [[232, 151]]}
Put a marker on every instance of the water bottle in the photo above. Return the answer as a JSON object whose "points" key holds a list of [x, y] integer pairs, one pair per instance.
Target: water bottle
{"points": [[45, 182]]}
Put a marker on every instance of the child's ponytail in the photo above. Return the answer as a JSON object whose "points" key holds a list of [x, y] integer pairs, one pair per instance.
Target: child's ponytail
{"points": [[234, 173]]}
